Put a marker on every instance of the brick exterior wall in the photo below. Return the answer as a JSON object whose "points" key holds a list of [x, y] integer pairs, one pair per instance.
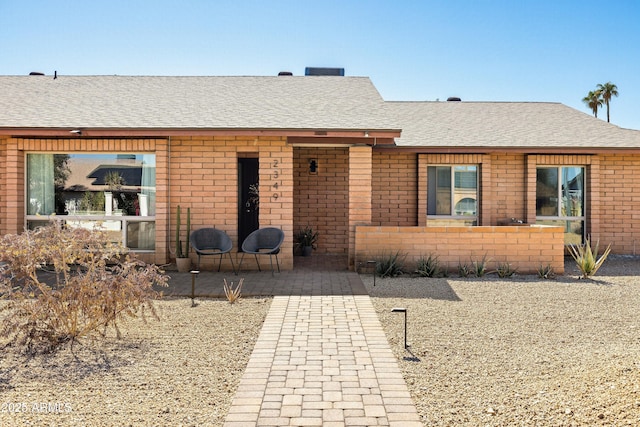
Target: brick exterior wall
{"points": [[3, 187], [509, 179], [354, 186], [321, 199], [525, 248], [200, 173], [618, 208], [203, 175], [394, 186]]}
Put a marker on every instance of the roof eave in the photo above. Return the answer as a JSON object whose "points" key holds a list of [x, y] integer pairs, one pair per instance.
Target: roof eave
{"points": [[75, 132], [521, 150]]}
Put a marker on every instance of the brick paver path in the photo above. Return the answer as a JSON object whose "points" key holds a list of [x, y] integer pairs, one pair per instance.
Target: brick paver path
{"points": [[322, 360]]}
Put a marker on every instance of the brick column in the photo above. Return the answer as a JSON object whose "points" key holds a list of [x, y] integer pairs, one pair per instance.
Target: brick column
{"points": [[360, 170], [276, 193], [13, 189], [531, 177], [422, 190], [486, 205], [592, 202]]}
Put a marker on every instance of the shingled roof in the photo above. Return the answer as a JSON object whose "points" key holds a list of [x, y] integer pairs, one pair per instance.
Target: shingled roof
{"points": [[144, 102], [505, 125]]}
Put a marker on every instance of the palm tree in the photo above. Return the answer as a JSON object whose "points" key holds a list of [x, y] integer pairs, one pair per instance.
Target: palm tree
{"points": [[593, 101], [606, 91]]}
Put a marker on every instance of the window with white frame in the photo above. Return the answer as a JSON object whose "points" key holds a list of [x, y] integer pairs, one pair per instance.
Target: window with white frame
{"points": [[560, 192], [452, 194], [112, 192]]}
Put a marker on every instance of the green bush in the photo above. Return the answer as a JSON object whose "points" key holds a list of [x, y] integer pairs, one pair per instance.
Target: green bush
{"points": [[63, 284]]}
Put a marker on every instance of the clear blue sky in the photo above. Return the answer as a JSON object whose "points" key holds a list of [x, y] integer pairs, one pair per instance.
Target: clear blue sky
{"points": [[479, 50]]}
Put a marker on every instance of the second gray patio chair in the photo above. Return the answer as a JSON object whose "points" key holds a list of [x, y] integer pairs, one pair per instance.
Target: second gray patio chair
{"points": [[211, 241], [264, 241]]}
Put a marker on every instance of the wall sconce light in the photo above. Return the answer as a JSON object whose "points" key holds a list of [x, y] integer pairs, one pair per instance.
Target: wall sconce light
{"points": [[366, 134], [313, 166], [77, 132]]}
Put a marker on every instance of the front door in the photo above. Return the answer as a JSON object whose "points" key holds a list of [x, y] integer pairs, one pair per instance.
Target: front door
{"points": [[247, 197]]}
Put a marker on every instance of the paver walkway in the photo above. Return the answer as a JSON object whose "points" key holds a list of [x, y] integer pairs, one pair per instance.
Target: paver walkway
{"points": [[321, 359]]}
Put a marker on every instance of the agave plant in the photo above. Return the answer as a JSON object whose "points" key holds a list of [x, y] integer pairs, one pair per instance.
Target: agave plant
{"points": [[428, 267], [546, 272], [504, 269], [587, 259], [390, 264], [232, 293]]}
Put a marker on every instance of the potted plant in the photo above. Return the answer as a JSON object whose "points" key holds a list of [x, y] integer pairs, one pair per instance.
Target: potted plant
{"points": [[306, 239], [183, 262]]}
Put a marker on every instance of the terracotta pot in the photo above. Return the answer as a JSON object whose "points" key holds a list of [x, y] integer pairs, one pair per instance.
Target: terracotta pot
{"points": [[183, 264]]}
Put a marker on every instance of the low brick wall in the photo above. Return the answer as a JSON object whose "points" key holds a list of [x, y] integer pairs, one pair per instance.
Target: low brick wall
{"points": [[524, 247]]}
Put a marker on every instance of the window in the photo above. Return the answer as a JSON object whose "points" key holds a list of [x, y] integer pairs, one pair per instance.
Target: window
{"points": [[452, 194], [113, 192], [560, 200]]}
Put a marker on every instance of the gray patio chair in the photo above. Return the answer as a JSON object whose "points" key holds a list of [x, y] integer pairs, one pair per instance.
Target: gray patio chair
{"points": [[264, 241], [211, 241]]}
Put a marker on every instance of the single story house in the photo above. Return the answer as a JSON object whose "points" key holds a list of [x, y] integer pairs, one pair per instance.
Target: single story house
{"points": [[460, 180]]}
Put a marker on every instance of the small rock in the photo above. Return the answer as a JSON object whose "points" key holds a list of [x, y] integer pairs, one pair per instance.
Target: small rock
{"points": [[492, 411], [600, 416], [568, 411]]}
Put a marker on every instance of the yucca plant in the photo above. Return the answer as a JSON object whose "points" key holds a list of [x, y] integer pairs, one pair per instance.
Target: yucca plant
{"points": [[504, 269], [233, 293], [428, 267], [587, 259], [546, 272], [390, 265]]}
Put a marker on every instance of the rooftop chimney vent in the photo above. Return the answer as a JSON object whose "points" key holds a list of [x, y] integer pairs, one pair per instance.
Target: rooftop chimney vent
{"points": [[285, 73], [36, 73], [319, 71], [454, 98]]}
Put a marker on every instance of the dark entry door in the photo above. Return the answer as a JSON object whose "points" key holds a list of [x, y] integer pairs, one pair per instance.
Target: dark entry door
{"points": [[248, 197]]}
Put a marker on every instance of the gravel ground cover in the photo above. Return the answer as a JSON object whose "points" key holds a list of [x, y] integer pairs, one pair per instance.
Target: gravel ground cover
{"points": [[495, 352], [180, 371], [519, 351]]}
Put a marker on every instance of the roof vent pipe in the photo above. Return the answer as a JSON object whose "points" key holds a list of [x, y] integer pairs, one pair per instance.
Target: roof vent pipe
{"points": [[454, 98]]}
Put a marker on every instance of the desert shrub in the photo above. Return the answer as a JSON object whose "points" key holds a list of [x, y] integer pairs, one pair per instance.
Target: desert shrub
{"points": [[586, 257], [390, 264], [428, 267], [63, 284], [504, 269], [546, 272]]}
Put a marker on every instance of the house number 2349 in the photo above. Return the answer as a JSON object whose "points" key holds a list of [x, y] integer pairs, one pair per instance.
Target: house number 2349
{"points": [[275, 175]]}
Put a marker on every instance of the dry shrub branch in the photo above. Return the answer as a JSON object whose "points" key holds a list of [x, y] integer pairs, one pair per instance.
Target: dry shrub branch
{"points": [[62, 284]]}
